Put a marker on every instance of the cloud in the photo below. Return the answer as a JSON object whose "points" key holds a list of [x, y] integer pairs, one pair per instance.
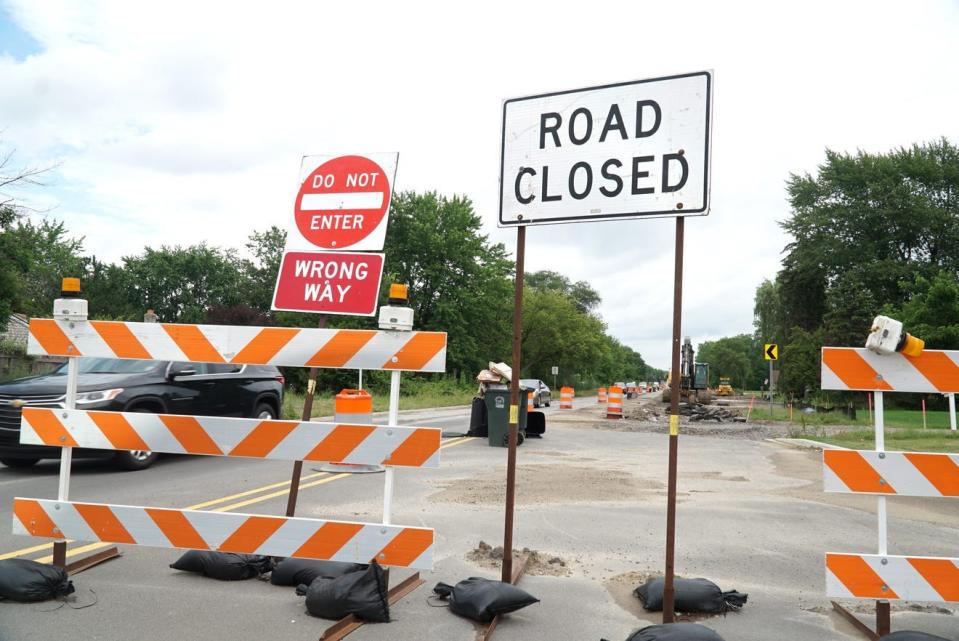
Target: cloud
{"points": [[184, 122]]}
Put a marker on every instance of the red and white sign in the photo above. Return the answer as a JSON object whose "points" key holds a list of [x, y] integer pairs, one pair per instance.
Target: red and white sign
{"points": [[343, 202], [329, 283]]}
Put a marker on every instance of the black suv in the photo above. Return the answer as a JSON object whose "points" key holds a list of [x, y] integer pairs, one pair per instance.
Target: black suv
{"points": [[161, 387]]}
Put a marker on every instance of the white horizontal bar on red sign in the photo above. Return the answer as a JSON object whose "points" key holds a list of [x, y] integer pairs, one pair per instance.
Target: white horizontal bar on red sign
{"points": [[240, 437], [281, 346], [345, 200], [226, 532]]}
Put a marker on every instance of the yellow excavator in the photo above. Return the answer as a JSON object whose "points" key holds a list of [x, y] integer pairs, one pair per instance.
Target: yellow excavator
{"points": [[724, 389]]}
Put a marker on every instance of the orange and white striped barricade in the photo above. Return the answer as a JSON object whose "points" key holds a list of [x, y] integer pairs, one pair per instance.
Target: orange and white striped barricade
{"points": [[601, 395], [352, 406], [883, 576], [389, 445], [614, 407], [566, 398]]}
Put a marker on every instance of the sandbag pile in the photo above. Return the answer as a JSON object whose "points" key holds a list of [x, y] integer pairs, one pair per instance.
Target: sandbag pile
{"points": [[294, 572], [223, 566], [362, 594], [690, 595], [675, 632], [483, 599], [28, 581]]}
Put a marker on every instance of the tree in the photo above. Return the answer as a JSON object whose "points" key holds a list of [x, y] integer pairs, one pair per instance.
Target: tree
{"points": [[266, 248], [767, 313], [582, 293], [933, 311], [738, 357], [556, 332], [45, 255], [800, 363]]}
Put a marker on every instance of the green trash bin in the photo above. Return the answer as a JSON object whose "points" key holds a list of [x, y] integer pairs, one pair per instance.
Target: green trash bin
{"points": [[497, 415]]}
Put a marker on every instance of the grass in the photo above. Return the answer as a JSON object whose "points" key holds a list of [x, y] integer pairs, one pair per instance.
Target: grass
{"points": [[422, 398], [894, 418], [901, 440]]}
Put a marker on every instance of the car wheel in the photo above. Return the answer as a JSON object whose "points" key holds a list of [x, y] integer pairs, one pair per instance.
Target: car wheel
{"points": [[19, 462], [535, 402], [264, 412], [135, 460], [548, 399]]}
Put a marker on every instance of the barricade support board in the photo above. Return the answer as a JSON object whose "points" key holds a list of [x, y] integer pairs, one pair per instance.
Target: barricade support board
{"points": [[307, 538], [857, 368], [874, 576], [235, 437], [280, 346], [891, 473]]}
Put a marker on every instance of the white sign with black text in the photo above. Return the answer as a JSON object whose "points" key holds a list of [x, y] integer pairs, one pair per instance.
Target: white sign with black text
{"points": [[627, 150]]}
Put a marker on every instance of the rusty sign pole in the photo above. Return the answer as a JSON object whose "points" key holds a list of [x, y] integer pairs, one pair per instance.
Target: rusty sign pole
{"points": [[677, 381], [307, 415], [514, 405]]}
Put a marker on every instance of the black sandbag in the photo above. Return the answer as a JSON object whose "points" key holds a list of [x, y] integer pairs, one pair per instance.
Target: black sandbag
{"points": [[26, 581], [675, 632], [535, 424], [362, 594], [223, 566], [911, 635], [482, 599], [295, 572], [691, 595]]}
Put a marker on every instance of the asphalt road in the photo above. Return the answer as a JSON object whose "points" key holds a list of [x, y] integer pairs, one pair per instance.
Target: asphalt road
{"points": [[749, 518]]}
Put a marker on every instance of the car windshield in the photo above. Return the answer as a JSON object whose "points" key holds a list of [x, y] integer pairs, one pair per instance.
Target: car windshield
{"points": [[529, 382], [111, 366]]}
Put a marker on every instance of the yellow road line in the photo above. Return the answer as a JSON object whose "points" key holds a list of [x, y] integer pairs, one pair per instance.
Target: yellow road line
{"points": [[226, 508]]}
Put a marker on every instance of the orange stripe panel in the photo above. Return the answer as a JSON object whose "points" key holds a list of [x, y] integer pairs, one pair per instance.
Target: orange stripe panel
{"points": [[853, 572], [339, 443], [939, 469], [250, 536], [852, 370], [51, 338], [191, 435], [121, 340], [405, 547], [35, 519], [48, 427], [118, 431], [341, 348], [418, 351], [942, 575], [177, 528], [265, 345], [855, 471], [263, 438], [328, 540], [104, 523], [416, 449], [354, 404], [938, 369], [195, 346]]}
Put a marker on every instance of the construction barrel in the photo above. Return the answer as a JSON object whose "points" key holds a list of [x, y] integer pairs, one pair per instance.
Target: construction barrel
{"points": [[566, 398], [614, 407], [601, 395]]}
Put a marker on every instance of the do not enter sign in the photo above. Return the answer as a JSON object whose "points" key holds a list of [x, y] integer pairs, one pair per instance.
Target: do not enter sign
{"points": [[343, 202]]}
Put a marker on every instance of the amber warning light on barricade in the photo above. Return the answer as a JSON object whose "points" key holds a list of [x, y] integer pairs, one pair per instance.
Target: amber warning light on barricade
{"points": [[887, 336], [70, 287], [398, 294]]}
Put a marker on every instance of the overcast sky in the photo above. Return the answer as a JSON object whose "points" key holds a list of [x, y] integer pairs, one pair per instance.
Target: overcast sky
{"points": [[176, 123]]}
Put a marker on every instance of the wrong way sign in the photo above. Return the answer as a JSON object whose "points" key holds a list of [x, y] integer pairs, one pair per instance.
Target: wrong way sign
{"points": [[329, 282], [626, 150], [343, 202]]}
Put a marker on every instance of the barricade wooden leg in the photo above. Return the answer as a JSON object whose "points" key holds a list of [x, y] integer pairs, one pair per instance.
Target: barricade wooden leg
{"points": [[485, 633]]}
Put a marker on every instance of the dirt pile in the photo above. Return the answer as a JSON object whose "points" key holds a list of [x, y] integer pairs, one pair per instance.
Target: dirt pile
{"points": [[540, 563]]}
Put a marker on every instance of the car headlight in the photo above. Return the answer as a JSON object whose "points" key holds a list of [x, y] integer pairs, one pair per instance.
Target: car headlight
{"points": [[87, 398]]}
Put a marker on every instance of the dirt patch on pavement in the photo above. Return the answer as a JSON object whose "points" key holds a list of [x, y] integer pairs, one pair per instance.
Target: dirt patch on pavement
{"points": [[539, 564], [547, 484]]}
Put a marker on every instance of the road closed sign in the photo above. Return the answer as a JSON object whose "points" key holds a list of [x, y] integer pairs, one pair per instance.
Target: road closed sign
{"points": [[627, 150], [343, 202], [329, 283]]}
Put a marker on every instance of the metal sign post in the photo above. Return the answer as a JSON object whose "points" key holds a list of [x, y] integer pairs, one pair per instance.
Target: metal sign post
{"points": [[306, 416], [507, 574]]}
